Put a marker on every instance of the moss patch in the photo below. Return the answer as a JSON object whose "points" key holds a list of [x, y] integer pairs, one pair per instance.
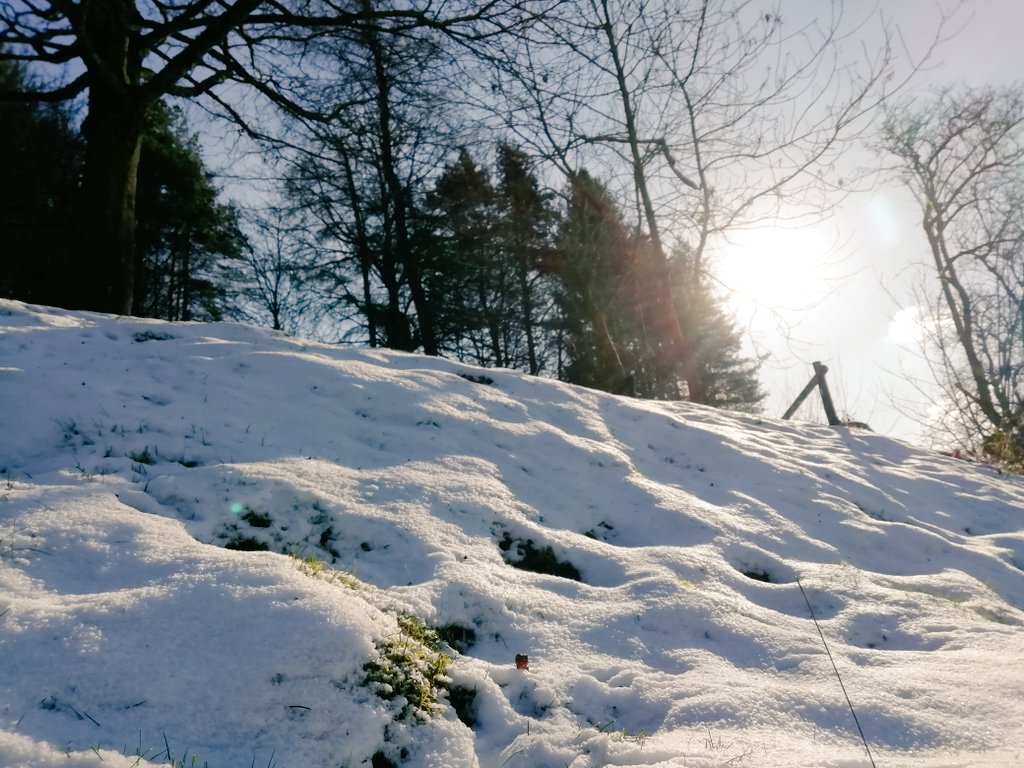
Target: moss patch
{"points": [[410, 669], [527, 556], [246, 544]]}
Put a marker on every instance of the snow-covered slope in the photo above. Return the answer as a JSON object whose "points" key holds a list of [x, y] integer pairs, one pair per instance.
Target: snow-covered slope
{"points": [[670, 629]]}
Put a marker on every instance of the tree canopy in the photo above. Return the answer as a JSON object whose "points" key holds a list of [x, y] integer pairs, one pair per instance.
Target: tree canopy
{"points": [[126, 55], [526, 183]]}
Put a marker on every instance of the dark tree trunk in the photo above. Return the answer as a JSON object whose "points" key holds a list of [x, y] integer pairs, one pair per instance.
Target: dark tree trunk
{"points": [[493, 323], [399, 196], [961, 309], [186, 277], [105, 263], [665, 318], [526, 306], [105, 266], [363, 250]]}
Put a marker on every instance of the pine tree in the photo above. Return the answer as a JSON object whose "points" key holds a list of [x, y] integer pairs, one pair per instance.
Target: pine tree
{"points": [[183, 231], [186, 239], [593, 265], [607, 277], [494, 239], [464, 202], [730, 378], [526, 223], [41, 160]]}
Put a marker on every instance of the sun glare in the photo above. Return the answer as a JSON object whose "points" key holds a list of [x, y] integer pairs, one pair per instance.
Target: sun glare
{"points": [[781, 268], [905, 326]]}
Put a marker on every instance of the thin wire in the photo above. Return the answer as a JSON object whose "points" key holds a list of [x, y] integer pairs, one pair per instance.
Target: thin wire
{"points": [[836, 669]]}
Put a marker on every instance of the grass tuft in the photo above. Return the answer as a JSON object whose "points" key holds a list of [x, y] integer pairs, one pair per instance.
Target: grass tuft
{"points": [[314, 566], [142, 336], [460, 638], [143, 456], [463, 701], [410, 669], [481, 379]]}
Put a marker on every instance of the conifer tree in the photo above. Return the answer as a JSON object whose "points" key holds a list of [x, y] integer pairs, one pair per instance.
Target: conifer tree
{"points": [[464, 201], [525, 232], [123, 56], [41, 160], [183, 231], [494, 239], [607, 276], [593, 266], [731, 378], [186, 239]]}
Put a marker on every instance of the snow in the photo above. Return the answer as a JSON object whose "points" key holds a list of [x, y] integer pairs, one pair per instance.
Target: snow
{"points": [[132, 451]]}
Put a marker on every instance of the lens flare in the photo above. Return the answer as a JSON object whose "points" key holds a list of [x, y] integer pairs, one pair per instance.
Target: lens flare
{"points": [[883, 223]]}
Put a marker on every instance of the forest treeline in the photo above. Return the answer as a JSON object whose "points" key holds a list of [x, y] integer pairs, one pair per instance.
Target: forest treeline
{"points": [[533, 184], [488, 266], [536, 184]]}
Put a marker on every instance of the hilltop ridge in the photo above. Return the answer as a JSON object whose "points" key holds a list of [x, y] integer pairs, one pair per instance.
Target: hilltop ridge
{"points": [[260, 549]]}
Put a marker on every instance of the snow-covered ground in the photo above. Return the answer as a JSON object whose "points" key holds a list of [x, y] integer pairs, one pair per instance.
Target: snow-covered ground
{"points": [[391, 492]]}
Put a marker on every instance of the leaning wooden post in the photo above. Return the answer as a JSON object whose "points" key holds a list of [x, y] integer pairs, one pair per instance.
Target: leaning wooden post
{"points": [[818, 380], [801, 397], [826, 397]]}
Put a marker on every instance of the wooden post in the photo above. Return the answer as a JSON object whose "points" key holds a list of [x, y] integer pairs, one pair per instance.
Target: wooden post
{"points": [[826, 397], [818, 380], [801, 397]]}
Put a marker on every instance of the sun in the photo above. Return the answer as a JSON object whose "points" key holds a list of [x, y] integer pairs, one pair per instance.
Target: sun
{"points": [[781, 268]]}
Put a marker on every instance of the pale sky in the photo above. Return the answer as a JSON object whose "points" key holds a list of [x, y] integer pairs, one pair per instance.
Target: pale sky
{"points": [[840, 292]]}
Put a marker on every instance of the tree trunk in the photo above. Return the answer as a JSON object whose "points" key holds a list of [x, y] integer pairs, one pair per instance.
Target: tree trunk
{"points": [[526, 307], [106, 246], [399, 195], [364, 252], [493, 323], [105, 266], [186, 276], [612, 375], [666, 321], [958, 300]]}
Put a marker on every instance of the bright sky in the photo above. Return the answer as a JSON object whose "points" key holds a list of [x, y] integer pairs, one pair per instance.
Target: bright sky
{"points": [[841, 291]]}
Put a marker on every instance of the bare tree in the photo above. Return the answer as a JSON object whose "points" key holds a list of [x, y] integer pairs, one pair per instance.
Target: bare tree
{"points": [[712, 113], [362, 176], [961, 153], [274, 271]]}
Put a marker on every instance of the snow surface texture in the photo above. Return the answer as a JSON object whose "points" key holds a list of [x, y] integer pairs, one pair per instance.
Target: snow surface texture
{"points": [[133, 451]]}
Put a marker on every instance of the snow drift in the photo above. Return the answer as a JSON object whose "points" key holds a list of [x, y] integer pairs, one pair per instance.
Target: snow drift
{"points": [[221, 546]]}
